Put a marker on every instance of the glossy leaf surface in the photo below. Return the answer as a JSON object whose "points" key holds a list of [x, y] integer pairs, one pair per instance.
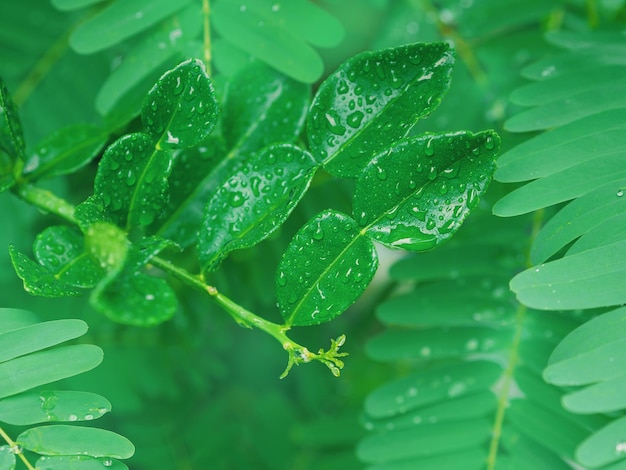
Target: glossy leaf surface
{"points": [[132, 180], [372, 101], [40, 407], [11, 138], [40, 368], [326, 267], [254, 202], [261, 107], [79, 462], [65, 151], [108, 245], [417, 194], [181, 110], [120, 20], [71, 440]]}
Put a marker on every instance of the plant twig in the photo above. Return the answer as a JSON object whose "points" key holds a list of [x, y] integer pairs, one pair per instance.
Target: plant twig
{"points": [[16, 449]]}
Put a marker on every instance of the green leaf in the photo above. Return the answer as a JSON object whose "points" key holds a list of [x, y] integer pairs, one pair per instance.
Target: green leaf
{"points": [[591, 353], [604, 446], [147, 57], [261, 107], [11, 138], [267, 39], [63, 268], [65, 151], [196, 174], [72, 440], [7, 458], [593, 278], [181, 109], [132, 180], [39, 407], [39, 336], [325, 268], [373, 100], [107, 244], [79, 462], [40, 368], [14, 318], [67, 5], [417, 194], [253, 203], [120, 20]]}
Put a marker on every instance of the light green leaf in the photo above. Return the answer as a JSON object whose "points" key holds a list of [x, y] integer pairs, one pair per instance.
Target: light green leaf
{"points": [[580, 62], [148, 56], [7, 458], [67, 5], [594, 278], [325, 268], [417, 194], [372, 101], [261, 107], [593, 352], [254, 202], [427, 388], [11, 138], [181, 109], [604, 446], [79, 462], [65, 151], [268, 40], [603, 397], [14, 318], [107, 244], [611, 230], [467, 459], [120, 20], [132, 180], [72, 440], [39, 336], [39, 407], [23, 373]]}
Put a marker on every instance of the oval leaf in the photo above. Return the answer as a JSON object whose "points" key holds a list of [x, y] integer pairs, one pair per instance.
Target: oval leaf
{"points": [[132, 180], [417, 194], [181, 110], [40, 407], [255, 202], [373, 100], [79, 462], [73, 440], [7, 458], [326, 267]]}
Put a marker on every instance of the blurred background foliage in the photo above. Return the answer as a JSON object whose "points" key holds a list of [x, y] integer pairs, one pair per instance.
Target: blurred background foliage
{"points": [[198, 391]]}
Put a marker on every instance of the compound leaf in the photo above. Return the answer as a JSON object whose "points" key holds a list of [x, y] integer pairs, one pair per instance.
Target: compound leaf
{"points": [[604, 446], [262, 106], [181, 109], [78, 462], [373, 100], [417, 194], [120, 20], [62, 439], [254, 202], [325, 268], [65, 151]]}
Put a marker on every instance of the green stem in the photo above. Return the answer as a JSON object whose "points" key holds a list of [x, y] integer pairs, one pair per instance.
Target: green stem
{"points": [[206, 13], [46, 201], [16, 449]]}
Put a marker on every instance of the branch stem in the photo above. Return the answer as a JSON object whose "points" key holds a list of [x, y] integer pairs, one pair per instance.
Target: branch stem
{"points": [[16, 449]]}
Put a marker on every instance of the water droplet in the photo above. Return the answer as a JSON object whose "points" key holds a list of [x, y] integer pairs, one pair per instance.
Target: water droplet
{"points": [[472, 345], [430, 224], [88, 417], [425, 351], [275, 7], [107, 462], [72, 417], [355, 119], [236, 199], [429, 150], [131, 178], [489, 143], [548, 71], [457, 389], [243, 8], [381, 173], [432, 173], [318, 233], [342, 87], [620, 192], [333, 122]]}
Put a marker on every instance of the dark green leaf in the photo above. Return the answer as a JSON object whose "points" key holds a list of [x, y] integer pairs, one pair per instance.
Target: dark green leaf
{"points": [[11, 138], [254, 202], [40, 336], [417, 194], [7, 458], [267, 39], [196, 174], [181, 109], [72, 440], [326, 267], [373, 100], [605, 446], [65, 151], [132, 180], [40, 368], [90, 212], [39, 407], [261, 107], [79, 462], [73, 4], [120, 20]]}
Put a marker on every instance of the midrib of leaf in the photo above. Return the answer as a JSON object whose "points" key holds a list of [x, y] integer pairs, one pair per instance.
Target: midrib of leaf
{"points": [[138, 187], [69, 265], [508, 379]]}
